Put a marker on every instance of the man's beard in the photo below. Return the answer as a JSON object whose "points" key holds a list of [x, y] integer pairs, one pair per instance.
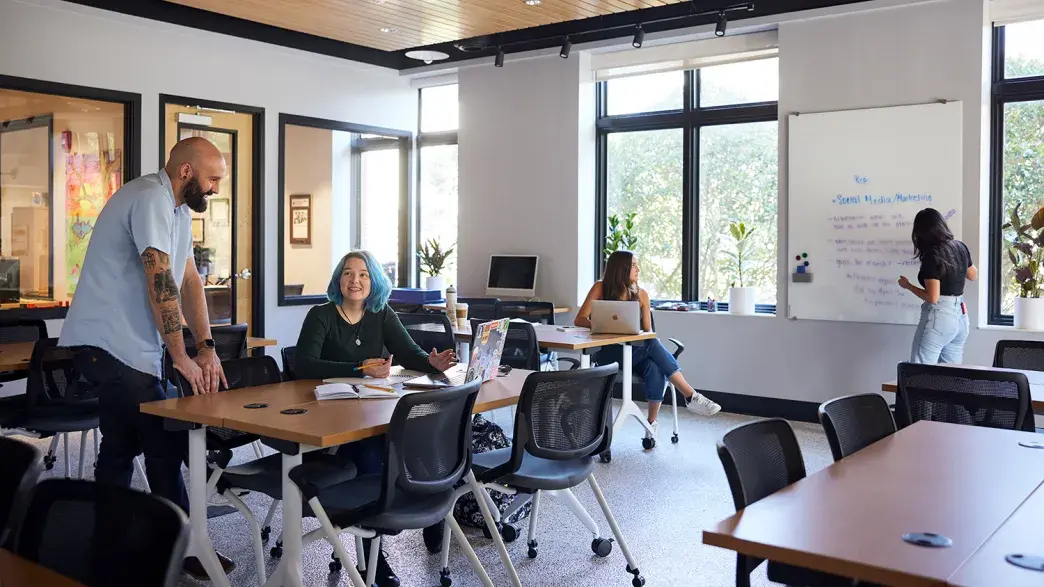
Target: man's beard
{"points": [[194, 195]]}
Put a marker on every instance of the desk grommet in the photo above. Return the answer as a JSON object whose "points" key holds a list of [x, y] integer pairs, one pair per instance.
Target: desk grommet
{"points": [[293, 411], [1030, 562]]}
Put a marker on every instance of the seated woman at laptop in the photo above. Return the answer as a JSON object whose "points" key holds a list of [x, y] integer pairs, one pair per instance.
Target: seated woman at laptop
{"points": [[650, 358], [347, 337]]}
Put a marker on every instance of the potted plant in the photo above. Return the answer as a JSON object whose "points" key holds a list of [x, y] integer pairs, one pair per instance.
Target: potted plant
{"points": [[1026, 253], [741, 299], [204, 260], [620, 235], [432, 259]]}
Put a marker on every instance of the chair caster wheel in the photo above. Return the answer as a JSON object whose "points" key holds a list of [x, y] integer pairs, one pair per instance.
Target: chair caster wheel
{"points": [[265, 533], [532, 549], [277, 551], [674, 439], [607, 456], [335, 566], [602, 547], [648, 443], [638, 581], [509, 533], [444, 578], [49, 461]]}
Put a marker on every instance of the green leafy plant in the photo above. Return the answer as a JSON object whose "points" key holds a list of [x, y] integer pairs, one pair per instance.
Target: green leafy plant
{"points": [[739, 256], [620, 236], [204, 256], [432, 257], [1025, 251]]}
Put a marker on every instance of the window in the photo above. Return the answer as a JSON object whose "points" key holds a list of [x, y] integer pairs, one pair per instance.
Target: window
{"points": [[341, 187], [438, 174], [1016, 150], [64, 150], [693, 153]]}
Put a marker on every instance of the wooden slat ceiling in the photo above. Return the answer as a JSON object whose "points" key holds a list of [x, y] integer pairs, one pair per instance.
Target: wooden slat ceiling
{"points": [[413, 23]]}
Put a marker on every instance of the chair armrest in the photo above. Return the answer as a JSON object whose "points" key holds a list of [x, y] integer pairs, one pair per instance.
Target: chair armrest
{"points": [[575, 363], [679, 346]]}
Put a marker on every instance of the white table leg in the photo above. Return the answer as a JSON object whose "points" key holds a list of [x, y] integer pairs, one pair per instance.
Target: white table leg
{"points": [[585, 361], [291, 561], [628, 407], [200, 545]]}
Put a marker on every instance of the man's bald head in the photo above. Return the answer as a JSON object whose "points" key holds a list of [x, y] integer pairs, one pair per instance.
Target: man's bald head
{"points": [[195, 168]]}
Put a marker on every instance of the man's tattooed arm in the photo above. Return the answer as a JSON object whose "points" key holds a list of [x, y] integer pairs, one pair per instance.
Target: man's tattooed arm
{"points": [[165, 300]]}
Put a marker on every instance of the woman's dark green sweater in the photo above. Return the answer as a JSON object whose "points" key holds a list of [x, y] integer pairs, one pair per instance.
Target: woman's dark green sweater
{"points": [[327, 345]]}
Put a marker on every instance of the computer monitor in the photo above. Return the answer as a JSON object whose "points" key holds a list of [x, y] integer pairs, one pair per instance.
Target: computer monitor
{"points": [[512, 276]]}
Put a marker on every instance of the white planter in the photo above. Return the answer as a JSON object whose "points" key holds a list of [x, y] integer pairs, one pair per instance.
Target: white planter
{"points": [[1029, 313], [437, 282], [741, 300]]}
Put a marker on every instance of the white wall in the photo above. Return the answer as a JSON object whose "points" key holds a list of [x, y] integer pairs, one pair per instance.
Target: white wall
{"points": [[56, 41]]}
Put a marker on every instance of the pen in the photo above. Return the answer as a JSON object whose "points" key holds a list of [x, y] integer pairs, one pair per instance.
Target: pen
{"points": [[388, 389]]}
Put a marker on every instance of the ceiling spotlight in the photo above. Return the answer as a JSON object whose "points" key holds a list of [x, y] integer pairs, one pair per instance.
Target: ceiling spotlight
{"points": [[427, 56], [499, 60], [531, 2], [639, 36], [385, 29], [567, 45], [723, 21]]}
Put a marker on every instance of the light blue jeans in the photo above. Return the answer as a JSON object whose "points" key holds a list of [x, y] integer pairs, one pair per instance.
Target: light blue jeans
{"points": [[941, 333]]}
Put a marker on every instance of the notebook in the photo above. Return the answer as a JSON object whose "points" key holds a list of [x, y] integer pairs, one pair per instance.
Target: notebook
{"points": [[347, 391]]}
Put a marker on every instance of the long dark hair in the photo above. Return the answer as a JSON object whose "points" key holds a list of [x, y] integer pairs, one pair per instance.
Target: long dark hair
{"points": [[616, 281], [932, 238]]}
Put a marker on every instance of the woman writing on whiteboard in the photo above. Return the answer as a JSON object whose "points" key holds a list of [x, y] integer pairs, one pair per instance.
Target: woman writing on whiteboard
{"points": [[946, 264], [650, 358]]}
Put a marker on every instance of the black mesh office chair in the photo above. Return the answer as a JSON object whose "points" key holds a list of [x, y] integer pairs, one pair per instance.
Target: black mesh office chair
{"points": [[429, 331], [102, 535], [1025, 355], [19, 471], [564, 420], [427, 451], [289, 354], [759, 459], [58, 401], [979, 397], [540, 313], [854, 422], [481, 308]]}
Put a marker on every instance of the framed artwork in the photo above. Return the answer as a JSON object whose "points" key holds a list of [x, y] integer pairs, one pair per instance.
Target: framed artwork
{"points": [[301, 219], [199, 231], [220, 211]]}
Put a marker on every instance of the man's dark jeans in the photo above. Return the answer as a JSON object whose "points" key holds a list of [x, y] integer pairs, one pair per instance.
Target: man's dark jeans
{"points": [[126, 432]]}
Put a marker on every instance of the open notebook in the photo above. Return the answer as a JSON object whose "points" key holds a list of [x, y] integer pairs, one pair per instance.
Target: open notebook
{"points": [[365, 387]]}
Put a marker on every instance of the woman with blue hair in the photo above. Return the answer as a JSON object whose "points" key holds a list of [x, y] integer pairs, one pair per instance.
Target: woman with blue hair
{"points": [[347, 337]]}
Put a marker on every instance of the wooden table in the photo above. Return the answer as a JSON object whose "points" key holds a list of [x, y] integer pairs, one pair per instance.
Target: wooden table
{"points": [[441, 307], [324, 424], [1022, 533], [16, 571], [959, 481], [1036, 381]]}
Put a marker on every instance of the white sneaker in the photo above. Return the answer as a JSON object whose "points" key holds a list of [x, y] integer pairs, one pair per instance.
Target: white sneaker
{"points": [[655, 430], [700, 404]]}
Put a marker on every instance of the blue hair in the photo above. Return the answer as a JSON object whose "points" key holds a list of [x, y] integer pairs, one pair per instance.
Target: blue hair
{"points": [[380, 287]]}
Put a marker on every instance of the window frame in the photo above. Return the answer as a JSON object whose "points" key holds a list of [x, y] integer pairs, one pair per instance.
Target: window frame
{"points": [[404, 140], [1003, 92], [131, 103], [429, 139], [691, 119]]}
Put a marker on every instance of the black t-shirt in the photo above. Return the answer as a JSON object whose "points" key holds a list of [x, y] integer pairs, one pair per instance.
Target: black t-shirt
{"points": [[949, 264]]}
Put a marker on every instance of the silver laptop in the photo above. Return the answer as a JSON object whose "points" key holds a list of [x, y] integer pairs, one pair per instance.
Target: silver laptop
{"points": [[484, 364], [608, 317]]}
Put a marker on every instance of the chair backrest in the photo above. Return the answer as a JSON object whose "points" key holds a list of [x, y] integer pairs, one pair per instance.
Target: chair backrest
{"points": [[289, 354], [241, 373], [481, 308], [854, 422], [760, 458], [53, 379], [428, 443], [979, 397], [542, 312], [23, 330], [429, 330], [564, 415], [521, 346], [20, 469], [1026, 355], [102, 535]]}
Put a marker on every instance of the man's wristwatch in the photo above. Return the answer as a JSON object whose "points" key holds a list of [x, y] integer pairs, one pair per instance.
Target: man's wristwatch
{"points": [[205, 344]]}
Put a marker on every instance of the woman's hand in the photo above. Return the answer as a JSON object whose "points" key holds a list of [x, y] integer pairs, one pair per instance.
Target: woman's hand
{"points": [[904, 282], [377, 368], [442, 361]]}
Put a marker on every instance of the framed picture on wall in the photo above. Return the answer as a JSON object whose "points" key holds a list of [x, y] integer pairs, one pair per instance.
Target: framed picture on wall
{"points": [[199, 235], [220, 212], [301, 219]]}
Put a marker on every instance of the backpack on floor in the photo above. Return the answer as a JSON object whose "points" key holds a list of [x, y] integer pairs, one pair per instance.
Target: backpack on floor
{"points": [[486, 436]]}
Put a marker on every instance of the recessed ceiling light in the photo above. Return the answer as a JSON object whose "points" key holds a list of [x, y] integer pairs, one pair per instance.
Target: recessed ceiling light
{"points": [[531, 2], [385, 29], [427, 56]]}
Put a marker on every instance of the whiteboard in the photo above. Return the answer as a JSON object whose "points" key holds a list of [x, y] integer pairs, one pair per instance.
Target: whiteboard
{"points": [[856, 180]]}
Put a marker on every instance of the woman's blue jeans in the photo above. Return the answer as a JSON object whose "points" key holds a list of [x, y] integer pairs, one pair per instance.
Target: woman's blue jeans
{"points": [[648, 358], [941, 333]]}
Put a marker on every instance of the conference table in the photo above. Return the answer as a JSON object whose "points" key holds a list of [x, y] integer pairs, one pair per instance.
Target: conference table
{"points": [[1036, 381], [14, 356], [16, 571], [320, 425], [978, 487]]}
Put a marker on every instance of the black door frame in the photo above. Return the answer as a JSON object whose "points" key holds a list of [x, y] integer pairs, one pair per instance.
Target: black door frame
{"points": [[257, 238]]}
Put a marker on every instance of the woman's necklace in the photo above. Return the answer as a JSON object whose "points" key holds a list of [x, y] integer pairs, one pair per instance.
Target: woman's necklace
{"points": [[355, 331]]}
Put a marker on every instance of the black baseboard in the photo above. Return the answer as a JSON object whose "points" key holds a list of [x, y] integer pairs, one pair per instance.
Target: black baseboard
{"points": [[737, 403]]}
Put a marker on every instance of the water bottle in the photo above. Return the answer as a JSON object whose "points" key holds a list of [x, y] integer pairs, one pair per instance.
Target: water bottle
{"points": [[451, 303]]}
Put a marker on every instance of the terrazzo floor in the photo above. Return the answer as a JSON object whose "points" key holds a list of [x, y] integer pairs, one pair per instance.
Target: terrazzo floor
{"points": [[662, 500]]}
